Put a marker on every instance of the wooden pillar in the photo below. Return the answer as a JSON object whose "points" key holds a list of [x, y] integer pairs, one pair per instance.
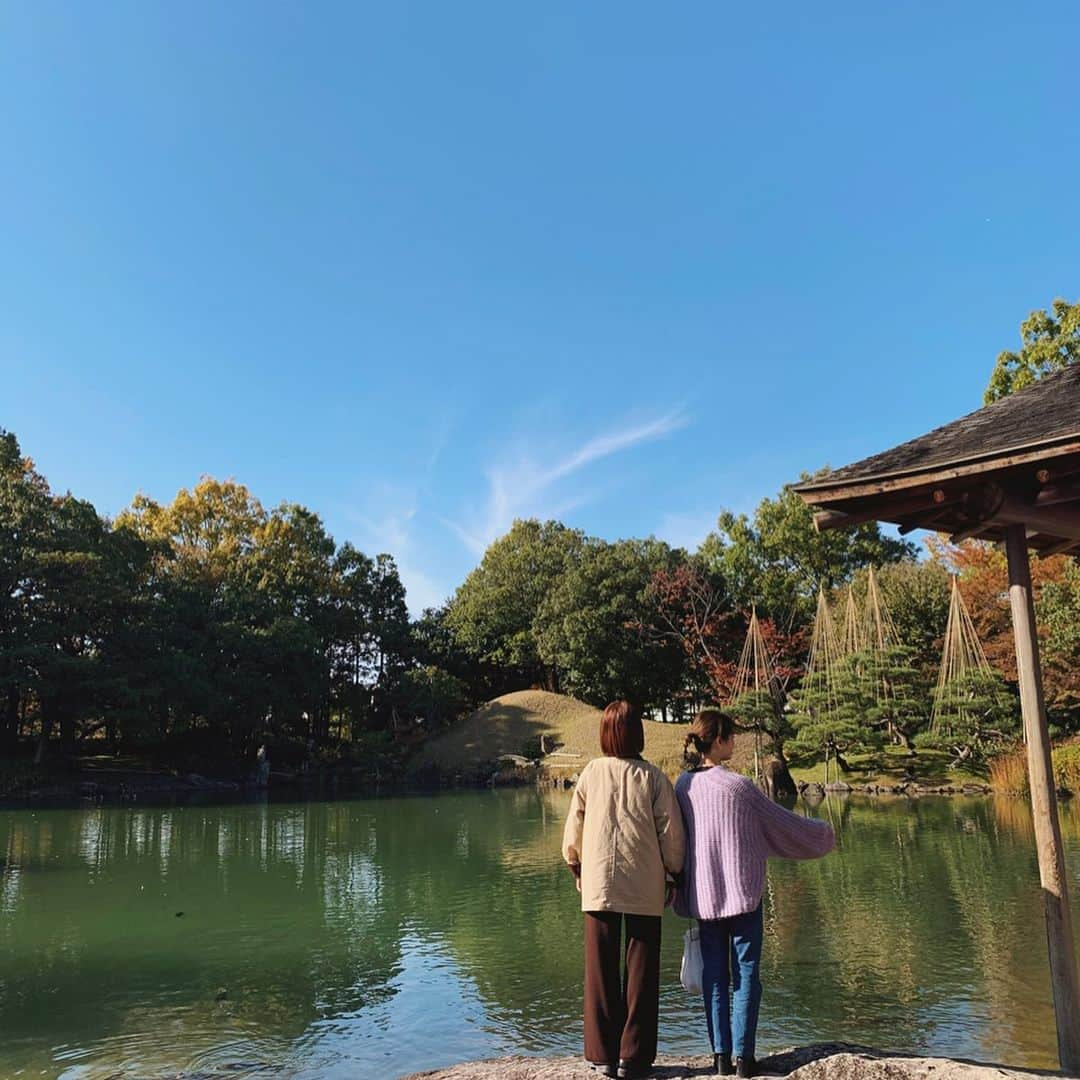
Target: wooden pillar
{"points": [[1063, 973]]}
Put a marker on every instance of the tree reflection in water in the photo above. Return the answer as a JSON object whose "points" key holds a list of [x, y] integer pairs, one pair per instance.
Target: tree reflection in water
{"points": [[321, 937]]}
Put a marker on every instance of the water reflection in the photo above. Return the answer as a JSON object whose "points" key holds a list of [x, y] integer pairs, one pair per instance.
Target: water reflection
{"points": [[325, 938]]}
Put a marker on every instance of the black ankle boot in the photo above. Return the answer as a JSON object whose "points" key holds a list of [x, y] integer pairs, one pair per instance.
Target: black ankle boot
{"points": [[722, 1064], [744, 1067]]}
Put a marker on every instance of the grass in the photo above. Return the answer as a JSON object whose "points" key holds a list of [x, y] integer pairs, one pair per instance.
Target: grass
{"points": [[1009, 775], [512, 725]]}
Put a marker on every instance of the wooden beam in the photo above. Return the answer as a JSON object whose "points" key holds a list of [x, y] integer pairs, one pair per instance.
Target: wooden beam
{"points": [[920, 521], [1065, 983], [1053, 494], [932, 501], [1054, 521], [968, 534], [1059, 549]]}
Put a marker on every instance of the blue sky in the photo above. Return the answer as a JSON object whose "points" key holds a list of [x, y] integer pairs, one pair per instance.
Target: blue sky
{"points": [[428, 267]]}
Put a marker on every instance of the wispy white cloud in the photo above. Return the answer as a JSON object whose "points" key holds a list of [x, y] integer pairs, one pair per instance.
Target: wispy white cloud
{"points": [[392, 531], [529, 487]]}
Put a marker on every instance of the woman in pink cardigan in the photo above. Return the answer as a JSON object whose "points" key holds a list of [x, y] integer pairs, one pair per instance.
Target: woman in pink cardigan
{"points": [[731, 829]]}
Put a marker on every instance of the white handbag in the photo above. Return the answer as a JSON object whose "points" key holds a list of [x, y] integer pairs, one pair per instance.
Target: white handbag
{"points": [[690, 972]]}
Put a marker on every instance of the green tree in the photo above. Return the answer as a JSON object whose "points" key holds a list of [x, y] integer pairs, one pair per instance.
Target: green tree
{"points": [[25, 504], [778, 560], [976, 717], [916, 595], [592, 626], [1058, 612], [372, 643], [492, 614], [434, 695], [840, 714], [1050, 342], [434, 645]]}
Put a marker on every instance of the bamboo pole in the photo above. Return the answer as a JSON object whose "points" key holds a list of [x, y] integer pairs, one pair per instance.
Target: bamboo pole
{"points": [[1063, 973]]}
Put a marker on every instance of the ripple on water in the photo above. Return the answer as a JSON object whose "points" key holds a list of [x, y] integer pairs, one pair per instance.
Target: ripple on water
{"points": [[343, 940]]}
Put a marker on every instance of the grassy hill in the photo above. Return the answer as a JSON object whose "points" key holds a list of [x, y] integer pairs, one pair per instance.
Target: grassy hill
{"points": [[513, 724]]}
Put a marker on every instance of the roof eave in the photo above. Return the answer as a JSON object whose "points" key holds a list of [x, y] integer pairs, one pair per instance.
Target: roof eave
{"points": [[866, 484]]}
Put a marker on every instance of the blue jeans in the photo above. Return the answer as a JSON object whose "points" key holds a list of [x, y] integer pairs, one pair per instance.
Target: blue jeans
{"points": [[731, 958]]}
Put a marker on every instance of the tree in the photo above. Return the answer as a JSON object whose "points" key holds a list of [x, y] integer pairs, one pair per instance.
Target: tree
{"points": [[778, 560], [434, 645], [25, 503], [371, 639], [838, 714], [1050, 342], [895, 692], [1058, 612], [492, 614], [434, 695], [688, 604], [590, 628], [985, 579], [975, 718], [917, 597]]}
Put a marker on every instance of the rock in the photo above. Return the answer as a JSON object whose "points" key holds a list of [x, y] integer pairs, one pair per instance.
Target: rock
{"points": [[813, 789], [838, 785], [824, 1061]]}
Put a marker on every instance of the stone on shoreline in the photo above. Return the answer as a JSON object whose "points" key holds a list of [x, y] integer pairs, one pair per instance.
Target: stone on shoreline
{"points": [[823, 1061]]}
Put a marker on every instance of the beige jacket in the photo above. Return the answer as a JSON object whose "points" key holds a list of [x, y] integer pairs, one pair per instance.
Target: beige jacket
{"points": [[625, 830]]}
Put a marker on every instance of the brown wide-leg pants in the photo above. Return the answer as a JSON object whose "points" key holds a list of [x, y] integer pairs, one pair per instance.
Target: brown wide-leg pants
{"points": [[621, 1014]]}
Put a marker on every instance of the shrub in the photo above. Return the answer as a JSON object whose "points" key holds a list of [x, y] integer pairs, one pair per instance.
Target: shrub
{"points": [[1067, 767]]}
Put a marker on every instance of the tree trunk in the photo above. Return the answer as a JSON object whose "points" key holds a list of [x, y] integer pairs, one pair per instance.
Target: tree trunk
{"points": [[905, 742], [67, 732], [46, 732], [9, 733], [779, 785]]}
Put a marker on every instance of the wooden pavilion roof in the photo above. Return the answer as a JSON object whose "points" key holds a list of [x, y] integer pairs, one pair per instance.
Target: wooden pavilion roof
{"points": [[1016, 461]]}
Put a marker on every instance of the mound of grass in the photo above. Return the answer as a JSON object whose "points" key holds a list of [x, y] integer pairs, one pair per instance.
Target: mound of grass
{"points": [[513, 724]]}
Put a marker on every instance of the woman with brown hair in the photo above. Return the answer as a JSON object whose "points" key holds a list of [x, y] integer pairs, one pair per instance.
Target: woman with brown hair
{"points": [[732, 828], [623, 840]]}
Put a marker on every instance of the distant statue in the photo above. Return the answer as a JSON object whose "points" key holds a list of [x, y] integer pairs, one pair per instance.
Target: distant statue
{"points": [[262, 768]]}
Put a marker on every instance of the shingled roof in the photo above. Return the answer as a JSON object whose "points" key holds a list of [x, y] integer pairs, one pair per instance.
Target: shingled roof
{"points": [[1014, 462], [1047, 412]]}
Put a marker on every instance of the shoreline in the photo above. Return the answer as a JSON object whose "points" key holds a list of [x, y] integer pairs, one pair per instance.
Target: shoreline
{"points": [[84, 791], [819, 1061]]}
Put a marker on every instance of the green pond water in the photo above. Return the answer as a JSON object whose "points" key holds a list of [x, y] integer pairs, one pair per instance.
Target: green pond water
{"points": [[372, 938]]}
